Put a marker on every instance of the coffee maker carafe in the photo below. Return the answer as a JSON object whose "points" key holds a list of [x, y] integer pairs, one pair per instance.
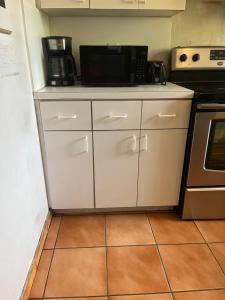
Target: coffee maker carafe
{"points": [[61, 67]]}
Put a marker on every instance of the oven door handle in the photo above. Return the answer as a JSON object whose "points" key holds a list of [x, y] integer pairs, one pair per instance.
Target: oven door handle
{"points": [[205, 106]]}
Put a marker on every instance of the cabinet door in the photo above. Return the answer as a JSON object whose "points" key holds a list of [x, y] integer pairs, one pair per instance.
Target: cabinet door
{"points": [[162, 4], [114, 4], [63, 4], [161, 166], [69, 169], [116, 168]]}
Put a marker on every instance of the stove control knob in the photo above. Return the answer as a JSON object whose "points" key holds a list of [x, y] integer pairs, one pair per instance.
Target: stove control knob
{"points": [[183, 57], [196, 57]]}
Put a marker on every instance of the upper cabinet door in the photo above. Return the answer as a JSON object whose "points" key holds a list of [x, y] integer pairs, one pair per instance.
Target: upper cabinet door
{"points": [[48, 4], [162, 4], [114, 4]]}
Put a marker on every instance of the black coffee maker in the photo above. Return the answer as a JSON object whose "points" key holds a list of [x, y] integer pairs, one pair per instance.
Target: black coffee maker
{"points": [[61, 67]]}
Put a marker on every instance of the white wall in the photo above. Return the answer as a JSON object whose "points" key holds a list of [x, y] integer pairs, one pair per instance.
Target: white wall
{"points": [[154, 32], [22, 194], [202, 24], [36, 26]]}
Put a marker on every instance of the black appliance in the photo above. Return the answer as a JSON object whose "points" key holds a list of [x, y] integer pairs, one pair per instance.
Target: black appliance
{"points": [[202, 69], [61, 67], [156, 72], [113, 65]]}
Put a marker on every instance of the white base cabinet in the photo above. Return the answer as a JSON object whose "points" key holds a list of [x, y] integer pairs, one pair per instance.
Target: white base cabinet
{"points": [[116, 168], [114, 154], [160, 166], [70, 169]]}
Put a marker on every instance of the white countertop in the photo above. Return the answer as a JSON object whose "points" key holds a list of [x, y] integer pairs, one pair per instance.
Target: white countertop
{"points": [[143, 92]]}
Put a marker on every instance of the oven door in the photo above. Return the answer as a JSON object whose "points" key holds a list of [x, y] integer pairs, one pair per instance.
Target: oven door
{"points": [[207, 160], [108, 65]]}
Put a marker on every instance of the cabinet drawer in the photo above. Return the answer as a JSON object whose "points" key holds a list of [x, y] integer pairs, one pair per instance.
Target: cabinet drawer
{"points": [[63, 4], [115, 115], [68, 115], [114, 4], [166, 114]]}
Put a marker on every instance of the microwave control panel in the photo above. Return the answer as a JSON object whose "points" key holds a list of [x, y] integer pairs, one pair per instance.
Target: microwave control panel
{"points": [[198, 58], [141, 64]]}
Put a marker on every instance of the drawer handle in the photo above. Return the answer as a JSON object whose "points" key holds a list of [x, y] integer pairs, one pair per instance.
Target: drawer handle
{"points": [[167, 116], [144, 144], [79, 1], [62, 117], [111, 116], [142, 1]]}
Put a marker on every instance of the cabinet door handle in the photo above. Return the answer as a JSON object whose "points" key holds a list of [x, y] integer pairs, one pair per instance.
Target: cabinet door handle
{"points": [[134, 143], [144, 143], [111, 116], [167, 115], [142, 1], [86, 144], [64, 117]]}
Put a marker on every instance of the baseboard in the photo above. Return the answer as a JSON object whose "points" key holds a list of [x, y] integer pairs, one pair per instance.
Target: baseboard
{"points": [[33, 269]]}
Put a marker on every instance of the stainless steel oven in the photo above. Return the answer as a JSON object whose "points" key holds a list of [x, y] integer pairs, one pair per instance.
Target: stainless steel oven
{"points": [[205, 192], [207, 160], [202, 69]]}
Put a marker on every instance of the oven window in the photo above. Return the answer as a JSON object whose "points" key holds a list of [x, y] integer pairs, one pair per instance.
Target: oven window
{"points": [[215, 156]]}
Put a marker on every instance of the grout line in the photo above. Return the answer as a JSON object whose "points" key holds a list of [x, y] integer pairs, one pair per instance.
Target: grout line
{"points": [[214, 256], [52, 259], [157, 246], [106, 249]]}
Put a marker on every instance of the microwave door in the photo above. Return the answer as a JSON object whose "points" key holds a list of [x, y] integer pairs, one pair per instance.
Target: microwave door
{"points": [[107, 66]]}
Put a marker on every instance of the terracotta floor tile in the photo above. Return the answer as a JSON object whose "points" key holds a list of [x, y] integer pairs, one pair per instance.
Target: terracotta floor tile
{"points": [[168, 228], [52, 233], [38, 287], [130, 229], [143, 297], [219, 252], [212, 231], [77, 272], [135, 270], [191, 267], [205, 295], [81, 231]]}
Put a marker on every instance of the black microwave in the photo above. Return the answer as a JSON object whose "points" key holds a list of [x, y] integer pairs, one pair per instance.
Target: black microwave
{"points": [[113, 65]]}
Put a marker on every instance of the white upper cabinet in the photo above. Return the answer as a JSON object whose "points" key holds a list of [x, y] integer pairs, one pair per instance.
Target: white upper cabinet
{"points": [[114, 4], [162, 4], [112, 7], [60, 4]]}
